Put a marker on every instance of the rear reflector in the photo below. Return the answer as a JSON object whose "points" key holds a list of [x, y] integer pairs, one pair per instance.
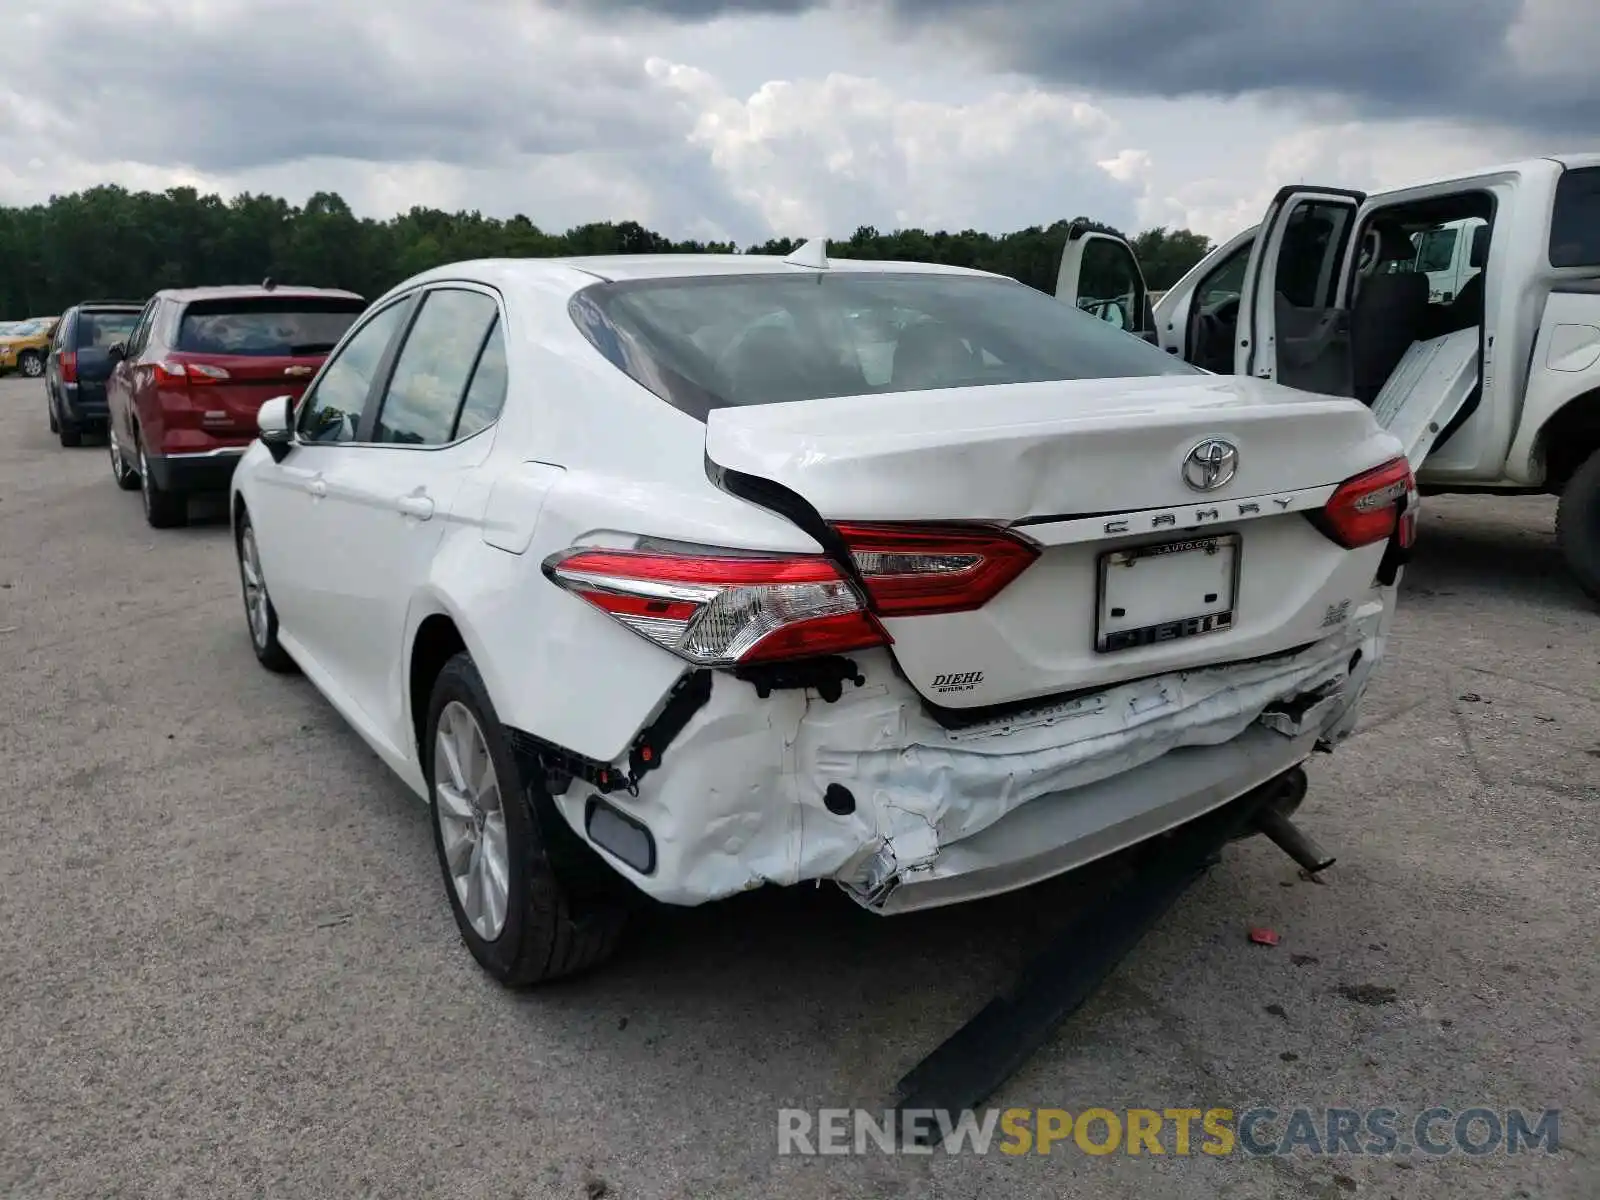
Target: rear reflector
{"points": [[916, 570], [720, 611], [1372, 507]]}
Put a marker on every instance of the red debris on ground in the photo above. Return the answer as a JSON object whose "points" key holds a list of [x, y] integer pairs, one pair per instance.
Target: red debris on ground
{"points": [[1262, 936]]}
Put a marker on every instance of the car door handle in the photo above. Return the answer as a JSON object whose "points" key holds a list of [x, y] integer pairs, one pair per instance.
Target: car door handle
{"points": [[316, 487], [420, 507]]}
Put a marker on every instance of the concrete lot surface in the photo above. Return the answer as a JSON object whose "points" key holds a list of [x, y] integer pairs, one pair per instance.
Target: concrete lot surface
{"points": [[227, 967]]}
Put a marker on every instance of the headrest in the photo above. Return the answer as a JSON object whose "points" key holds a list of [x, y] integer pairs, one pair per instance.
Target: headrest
{"points": [[1480, 247]]}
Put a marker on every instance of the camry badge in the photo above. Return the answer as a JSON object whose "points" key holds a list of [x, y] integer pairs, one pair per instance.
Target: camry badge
{"points": [[1210, 464]]}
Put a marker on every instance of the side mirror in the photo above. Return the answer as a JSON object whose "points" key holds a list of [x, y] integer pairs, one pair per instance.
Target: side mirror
{"points": [[273, 422], [116, 352]]}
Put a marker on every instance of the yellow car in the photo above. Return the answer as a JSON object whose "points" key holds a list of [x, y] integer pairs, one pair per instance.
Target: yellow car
{"points": [[23, 347]]}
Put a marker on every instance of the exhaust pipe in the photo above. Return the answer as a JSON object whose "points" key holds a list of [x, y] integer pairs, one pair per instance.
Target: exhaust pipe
{"points": [[1272, 819]]}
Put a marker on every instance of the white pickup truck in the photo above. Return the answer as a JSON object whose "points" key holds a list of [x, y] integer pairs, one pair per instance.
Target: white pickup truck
{"points": [[1464, 311]]}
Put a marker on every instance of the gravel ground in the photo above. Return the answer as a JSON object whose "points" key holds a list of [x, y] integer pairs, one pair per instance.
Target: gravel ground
{"points": [[227, 967]]}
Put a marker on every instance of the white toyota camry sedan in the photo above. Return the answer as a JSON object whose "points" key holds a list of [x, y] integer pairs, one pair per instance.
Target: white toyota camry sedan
{"points": [[683, 575]]}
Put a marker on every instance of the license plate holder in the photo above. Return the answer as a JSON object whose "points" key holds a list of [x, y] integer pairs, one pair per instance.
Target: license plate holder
{"points": [[1166, 591]]}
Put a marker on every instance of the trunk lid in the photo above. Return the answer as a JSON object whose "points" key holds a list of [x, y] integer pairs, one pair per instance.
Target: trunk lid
{"points": [[94, 366], [229, 389], [1139, 571]]}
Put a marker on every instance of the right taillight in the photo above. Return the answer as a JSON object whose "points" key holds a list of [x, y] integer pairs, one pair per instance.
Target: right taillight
{"points": [[1373, 507]]}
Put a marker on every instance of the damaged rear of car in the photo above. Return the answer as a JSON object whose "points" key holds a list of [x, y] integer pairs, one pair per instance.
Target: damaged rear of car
{"points": [[1063, 593]]}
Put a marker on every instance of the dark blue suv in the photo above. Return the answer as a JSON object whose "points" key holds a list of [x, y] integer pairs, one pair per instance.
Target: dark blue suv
{"points": [[76, 368]]}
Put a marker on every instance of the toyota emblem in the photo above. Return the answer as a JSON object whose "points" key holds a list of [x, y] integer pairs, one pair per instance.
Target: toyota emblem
{"points": [[1210, 464]]}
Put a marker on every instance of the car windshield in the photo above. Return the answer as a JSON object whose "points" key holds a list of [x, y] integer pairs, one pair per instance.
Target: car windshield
{"points": [[269, 326], [731, 340], [25, 329], [1437, 250], [99, 330]]}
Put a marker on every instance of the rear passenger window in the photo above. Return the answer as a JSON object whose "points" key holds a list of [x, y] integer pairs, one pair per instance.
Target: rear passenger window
{"points": [[434, 368], [333, 410], [487, 391], [104, 329], [1575, 221]]}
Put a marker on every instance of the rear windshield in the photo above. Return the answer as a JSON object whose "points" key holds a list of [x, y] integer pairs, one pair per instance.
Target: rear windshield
{"points": [[1575, 222], [100, 330], [272, 325], [725, 341]]}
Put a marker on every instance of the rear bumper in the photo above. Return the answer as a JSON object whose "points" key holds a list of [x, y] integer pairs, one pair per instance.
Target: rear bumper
{"points": [[1066, 830], [83, 403], [201, 471], [929, 816]]}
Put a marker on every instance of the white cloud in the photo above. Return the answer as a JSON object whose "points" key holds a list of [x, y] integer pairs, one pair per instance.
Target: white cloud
{"points": [[829, 154], [741, 127], [1126, 166], [1221, 189]]}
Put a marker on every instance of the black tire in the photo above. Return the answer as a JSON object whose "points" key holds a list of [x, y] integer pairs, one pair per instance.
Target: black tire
{"points": [[1578, 525], [30, 365], [548, 931], [71, 435], [126, 477], [162, 509], [55, 425], [263, 639]]}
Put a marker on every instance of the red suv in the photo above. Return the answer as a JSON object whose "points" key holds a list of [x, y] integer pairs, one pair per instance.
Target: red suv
{"points": [[186, 385]]}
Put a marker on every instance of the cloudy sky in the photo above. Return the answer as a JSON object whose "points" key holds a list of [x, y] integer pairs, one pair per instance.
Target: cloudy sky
{"points": [[746, 118]]}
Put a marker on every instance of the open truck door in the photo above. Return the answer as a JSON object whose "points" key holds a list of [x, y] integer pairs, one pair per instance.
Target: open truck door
{"points": [[1317, 253], [1101, 275], [1293, 327]]}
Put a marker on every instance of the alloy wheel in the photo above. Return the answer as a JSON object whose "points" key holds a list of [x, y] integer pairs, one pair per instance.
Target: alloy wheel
{"points": [[255, 589], [144, 476], [32, 367], [472, 823], [119, 468]]}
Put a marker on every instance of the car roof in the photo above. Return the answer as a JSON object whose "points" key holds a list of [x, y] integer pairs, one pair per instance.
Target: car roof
{"points": [[254, 291], [578, 272], [109, 305], [672, 266]]}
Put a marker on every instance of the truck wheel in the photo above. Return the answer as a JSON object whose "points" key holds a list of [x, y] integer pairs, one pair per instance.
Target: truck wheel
{"points": [[1578, 525]]}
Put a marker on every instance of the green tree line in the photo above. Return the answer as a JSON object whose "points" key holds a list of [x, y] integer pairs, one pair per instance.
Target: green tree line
{"points": [[108, 242]]}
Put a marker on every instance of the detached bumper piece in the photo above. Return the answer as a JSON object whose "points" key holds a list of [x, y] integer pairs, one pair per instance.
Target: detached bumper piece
{"points": [[980, 1056]]}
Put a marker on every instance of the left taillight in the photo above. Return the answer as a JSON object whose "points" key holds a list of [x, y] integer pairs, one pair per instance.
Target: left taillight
{"points": [[1373, 507], [69, 366], [922, 570], [723, 611], [172, 373]]}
